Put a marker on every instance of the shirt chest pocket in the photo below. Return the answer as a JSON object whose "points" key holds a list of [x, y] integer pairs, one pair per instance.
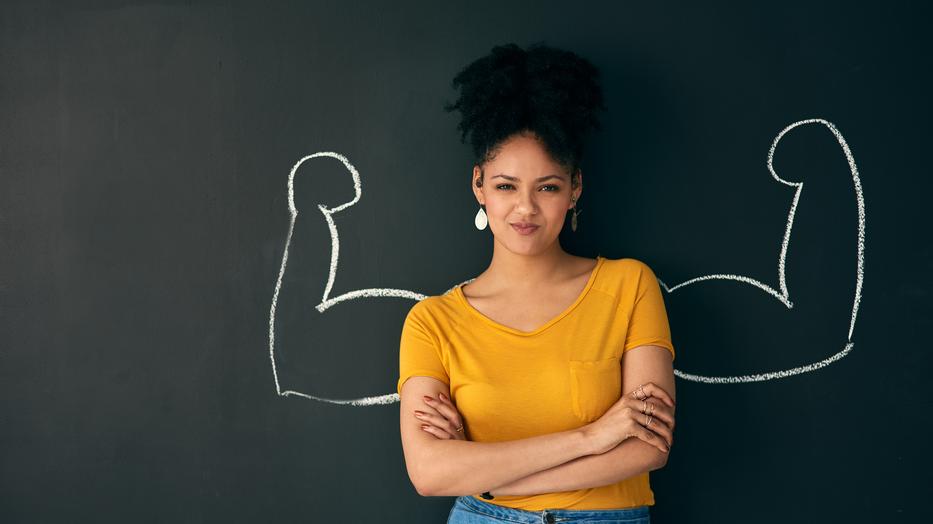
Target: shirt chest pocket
{"points": [[595, 385]]}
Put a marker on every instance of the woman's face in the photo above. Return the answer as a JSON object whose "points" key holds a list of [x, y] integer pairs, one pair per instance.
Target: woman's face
{"points": [[524, 185]]}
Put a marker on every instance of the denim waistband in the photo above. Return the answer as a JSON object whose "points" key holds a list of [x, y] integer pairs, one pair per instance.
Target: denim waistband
{"points": [[488, 512]]}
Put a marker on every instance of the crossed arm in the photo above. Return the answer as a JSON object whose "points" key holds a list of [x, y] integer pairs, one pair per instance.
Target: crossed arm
{"points": [[631, 457], [548, 463]]}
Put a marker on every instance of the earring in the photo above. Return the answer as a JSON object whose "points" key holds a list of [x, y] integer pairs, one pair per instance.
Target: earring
{"points": [[481, 220], [573, 218]]}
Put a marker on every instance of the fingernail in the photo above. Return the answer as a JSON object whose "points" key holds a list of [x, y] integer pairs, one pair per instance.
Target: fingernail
{"points": [[419, 414], [428, 399], [443, 396], [425, 427]]}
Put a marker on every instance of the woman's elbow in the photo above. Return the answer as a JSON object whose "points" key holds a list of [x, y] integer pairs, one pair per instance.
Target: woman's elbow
{"points": [[420, 480], [428, 485], [659, 459], [422, 490]]}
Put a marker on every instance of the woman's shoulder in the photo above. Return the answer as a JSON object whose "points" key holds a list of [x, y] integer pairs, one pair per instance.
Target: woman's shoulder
{"points": [[628, 265], [435, 306], [621, 274]]}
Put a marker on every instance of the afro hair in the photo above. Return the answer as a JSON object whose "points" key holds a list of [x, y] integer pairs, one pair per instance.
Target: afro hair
{"points": [[551, 93]]}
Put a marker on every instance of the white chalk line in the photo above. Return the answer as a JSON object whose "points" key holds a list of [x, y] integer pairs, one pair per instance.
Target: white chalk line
{"points": [[783, 296]]}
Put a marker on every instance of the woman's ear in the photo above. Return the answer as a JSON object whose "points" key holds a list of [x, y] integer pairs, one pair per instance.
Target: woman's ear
{"points": [[477, 183], [577, 184]]}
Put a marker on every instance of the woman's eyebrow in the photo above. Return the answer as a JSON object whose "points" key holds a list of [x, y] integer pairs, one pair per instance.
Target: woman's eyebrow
{"points": [[515, 178]]}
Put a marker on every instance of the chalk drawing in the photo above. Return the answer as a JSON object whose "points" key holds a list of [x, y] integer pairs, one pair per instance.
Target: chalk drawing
{"points": [[783, 295]]}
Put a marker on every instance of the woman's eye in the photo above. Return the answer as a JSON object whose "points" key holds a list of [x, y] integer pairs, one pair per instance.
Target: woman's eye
{"points": [[555, 188]]}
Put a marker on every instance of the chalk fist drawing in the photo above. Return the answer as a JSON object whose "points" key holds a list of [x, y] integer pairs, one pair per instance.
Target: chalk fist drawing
{"points": [[783, 295]]}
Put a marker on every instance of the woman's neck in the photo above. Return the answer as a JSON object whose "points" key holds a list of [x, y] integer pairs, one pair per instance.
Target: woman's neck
{"points": [[518, 271]]}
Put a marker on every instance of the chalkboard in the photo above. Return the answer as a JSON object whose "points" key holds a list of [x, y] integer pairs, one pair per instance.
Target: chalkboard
{"points": [[215, 215]]}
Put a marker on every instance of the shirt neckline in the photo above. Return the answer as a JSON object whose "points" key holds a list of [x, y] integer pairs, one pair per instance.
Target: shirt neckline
{"points": [[586, 288]]}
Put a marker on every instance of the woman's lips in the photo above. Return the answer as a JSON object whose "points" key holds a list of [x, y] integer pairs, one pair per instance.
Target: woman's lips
{"points": [[525, 230]]}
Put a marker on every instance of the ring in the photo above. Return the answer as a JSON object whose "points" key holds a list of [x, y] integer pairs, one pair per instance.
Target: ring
{"points": [[639, 388], [460, 429]]}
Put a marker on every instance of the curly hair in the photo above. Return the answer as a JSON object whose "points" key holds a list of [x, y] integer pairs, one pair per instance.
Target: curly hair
{"points": [[550, 93]]}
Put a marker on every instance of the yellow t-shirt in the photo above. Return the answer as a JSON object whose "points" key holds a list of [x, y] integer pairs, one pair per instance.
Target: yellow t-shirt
{"points": [[509, 384]]}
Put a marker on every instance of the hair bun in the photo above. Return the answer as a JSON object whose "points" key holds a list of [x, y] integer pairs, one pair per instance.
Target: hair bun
{"points": [[551, 92]]}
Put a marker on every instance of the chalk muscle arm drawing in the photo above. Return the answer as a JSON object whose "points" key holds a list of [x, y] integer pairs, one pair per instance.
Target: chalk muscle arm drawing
{"points": [[783, 295]]}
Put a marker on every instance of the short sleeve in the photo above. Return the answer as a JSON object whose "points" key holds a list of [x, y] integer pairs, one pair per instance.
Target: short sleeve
{"points": [[419, 351], [648, 324]]}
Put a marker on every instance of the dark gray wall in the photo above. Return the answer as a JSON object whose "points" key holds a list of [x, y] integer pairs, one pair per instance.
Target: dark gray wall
{"points": [[145, 152]]}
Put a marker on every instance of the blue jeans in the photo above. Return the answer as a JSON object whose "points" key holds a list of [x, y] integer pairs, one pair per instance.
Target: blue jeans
{"points": [[469, 510]]}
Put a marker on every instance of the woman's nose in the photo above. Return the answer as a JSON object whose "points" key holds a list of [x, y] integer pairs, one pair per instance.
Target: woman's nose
{"points": [[526, 202]]}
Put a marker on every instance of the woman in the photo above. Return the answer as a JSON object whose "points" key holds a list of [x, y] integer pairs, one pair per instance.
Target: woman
{"points": [[543, 389]]}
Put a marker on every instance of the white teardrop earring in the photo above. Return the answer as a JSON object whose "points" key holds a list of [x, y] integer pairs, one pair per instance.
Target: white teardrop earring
{"points": [[481, 220]]}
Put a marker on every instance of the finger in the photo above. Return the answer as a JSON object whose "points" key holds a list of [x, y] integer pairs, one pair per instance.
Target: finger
{"points": [[438, 421], [432, 403], [448, 434], [653, 406], [435, 420], [659, 428], [655, 440], [657, 391], [644, 434], [652, 434], [663, 412], [447, 410], [650, 389], [437, 432]]}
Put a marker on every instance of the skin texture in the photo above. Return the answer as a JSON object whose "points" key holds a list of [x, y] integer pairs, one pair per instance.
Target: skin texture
{"points": [[529, 280]]}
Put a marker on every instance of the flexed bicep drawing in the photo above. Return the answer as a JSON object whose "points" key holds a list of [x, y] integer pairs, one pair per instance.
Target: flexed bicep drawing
{"points": [[767, 292]]}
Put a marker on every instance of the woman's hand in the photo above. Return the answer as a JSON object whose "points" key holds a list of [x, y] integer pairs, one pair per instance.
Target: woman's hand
{"points": [[441, 419], [646, 413]]}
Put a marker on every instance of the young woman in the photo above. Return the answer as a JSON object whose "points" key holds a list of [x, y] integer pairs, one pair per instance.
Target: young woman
{"points": [[543, 389]]}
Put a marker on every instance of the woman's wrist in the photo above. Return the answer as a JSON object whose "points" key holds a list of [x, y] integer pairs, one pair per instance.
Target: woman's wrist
{"points": [[595, 442]]}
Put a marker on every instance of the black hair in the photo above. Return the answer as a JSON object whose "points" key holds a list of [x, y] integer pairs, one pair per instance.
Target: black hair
{"points": [[551, 93]]}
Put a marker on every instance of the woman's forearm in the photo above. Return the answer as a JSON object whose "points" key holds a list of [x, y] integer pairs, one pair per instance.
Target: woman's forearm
{"points": [[462, 467], [631, 457]]}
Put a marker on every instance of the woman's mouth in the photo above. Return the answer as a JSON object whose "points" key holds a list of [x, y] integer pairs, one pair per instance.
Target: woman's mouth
{"points": [[527, 230]]}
